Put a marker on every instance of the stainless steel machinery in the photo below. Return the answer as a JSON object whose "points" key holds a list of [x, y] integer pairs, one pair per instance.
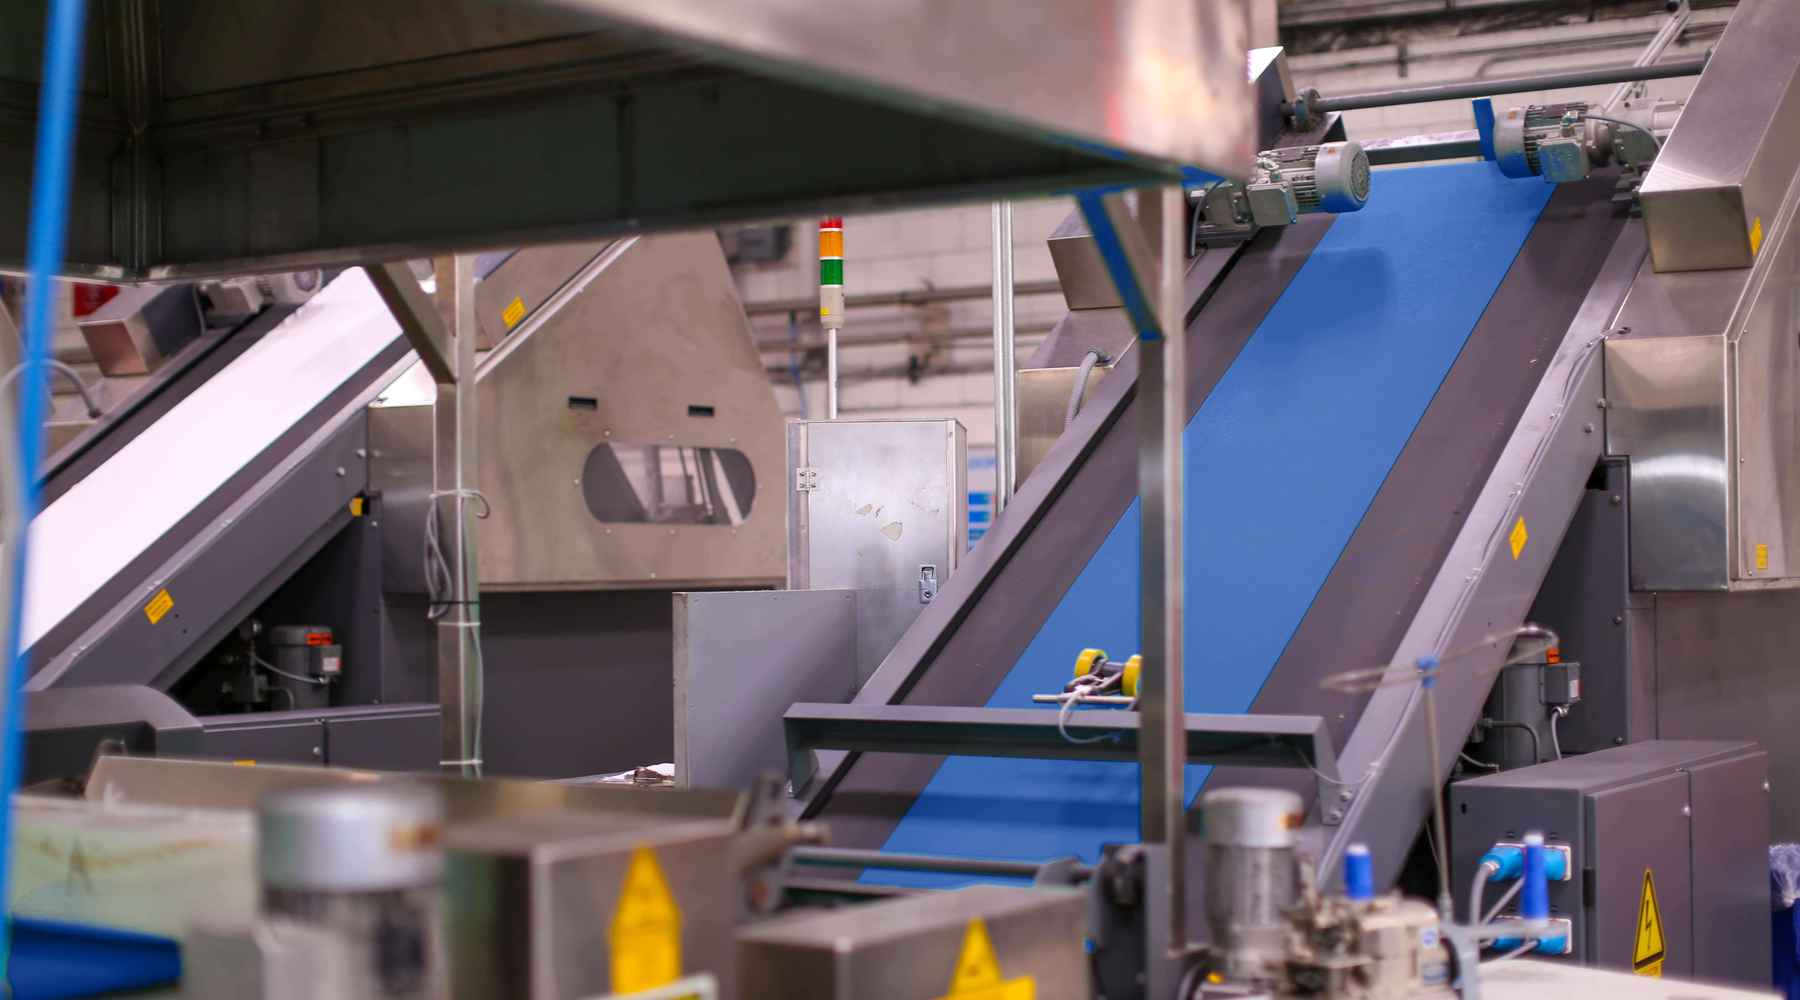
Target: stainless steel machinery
{"points": [[638, 450], [1339, 461]]}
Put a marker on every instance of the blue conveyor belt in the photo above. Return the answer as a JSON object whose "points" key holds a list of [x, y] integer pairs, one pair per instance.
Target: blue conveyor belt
{"points": [[1283, 459]]}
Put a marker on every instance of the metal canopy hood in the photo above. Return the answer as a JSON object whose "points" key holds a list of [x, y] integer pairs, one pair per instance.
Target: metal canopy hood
{"points": [[1703, 365], [222, 136]]}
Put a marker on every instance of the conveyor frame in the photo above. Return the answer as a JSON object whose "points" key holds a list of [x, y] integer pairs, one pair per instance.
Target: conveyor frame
{"points": [[1538, 470]]}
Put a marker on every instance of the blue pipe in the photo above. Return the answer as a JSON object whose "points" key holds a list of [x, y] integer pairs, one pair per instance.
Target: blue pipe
{"points": [[1534, 900], [50, 185]]}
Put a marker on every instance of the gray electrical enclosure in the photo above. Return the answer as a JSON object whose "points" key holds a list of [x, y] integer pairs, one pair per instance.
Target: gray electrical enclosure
{"points": [[1688, 817]]}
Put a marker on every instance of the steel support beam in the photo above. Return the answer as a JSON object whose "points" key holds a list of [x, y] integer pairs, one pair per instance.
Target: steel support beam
{"points": [[1006, 372], [418, 316], [443, 331], [1508, 85], [454, 478], [1244, 740], [1152, 296]]}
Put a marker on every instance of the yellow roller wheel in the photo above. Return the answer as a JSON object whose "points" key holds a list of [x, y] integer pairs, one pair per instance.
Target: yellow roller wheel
{"points": [[1088, 661], [1129, 682]]}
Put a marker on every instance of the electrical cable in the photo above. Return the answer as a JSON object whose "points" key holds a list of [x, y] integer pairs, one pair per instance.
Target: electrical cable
{"points": [[1556, 715], [1630, 125], [439, 582], [1478, 887], [1398, 672], [440, 593], [1088, 361], [1515, 953], [58, 367], [1537, 749], [1068, 706], [277, 671], [292, 703], [1371, 679], [1472, 762], [1505, 898]]}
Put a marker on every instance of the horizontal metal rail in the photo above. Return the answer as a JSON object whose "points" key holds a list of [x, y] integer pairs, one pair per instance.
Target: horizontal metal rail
{"points": [[1509, 85], [1243, 740], [1423, 148], [842, 857]]}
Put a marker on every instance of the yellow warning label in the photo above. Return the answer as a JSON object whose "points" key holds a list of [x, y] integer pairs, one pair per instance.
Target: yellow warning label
{"points": [[1762, 555], [1756, 236], [515, 311], [159, 606], [645, 937], [1518, 538], [977, 975], [1647, 956]]}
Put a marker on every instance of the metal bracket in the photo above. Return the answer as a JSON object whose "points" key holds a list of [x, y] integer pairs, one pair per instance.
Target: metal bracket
{"points": [[418, 318], [806, 479], [1334, 800], [928, 584]]}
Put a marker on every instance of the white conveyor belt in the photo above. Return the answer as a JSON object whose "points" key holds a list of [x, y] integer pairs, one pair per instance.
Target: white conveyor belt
{"points": [[119, 510]]}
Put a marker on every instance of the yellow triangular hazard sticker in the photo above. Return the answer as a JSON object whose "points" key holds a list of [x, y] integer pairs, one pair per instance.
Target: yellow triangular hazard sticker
{"points": [[977, 975], [645, 936], [1647, 956]]}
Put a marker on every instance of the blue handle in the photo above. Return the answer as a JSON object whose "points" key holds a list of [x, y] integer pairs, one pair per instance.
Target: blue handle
{"points": [[1534, 895], [1359, 873]]}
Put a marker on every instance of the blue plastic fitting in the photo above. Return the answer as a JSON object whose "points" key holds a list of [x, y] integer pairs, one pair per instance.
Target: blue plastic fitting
{"points": [[1508, 862], [1359, 873], [1427, 671], [1534, 895], [1558, 945], [1556, 865]]}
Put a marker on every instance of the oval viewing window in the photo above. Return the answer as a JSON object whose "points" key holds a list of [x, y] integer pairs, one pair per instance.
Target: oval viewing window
{"points": [[667, 484]]}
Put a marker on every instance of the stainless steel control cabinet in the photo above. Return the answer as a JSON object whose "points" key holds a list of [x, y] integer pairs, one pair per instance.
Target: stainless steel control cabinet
{"points": [[880, 507]]}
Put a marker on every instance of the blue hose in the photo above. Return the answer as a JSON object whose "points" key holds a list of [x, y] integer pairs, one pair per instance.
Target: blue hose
{"points": [[51, 174]]}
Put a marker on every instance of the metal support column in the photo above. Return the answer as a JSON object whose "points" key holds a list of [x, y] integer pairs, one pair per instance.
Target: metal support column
{"points": [[1006, 410], [1152, 297], [444, 333], [831, 374], [454, 479], [1162, 390]]}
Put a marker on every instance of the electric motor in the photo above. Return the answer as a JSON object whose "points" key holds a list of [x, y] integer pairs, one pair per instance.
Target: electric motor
{"points": [[1333, 177], [1252, 875], [362, 861], [1299, 180], [1566, 142], [1520, 135]]}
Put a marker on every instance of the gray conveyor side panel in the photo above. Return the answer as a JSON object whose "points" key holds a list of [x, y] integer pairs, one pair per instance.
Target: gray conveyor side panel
{"points": [[1377, 585], [89, 646], [200, 360]]}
